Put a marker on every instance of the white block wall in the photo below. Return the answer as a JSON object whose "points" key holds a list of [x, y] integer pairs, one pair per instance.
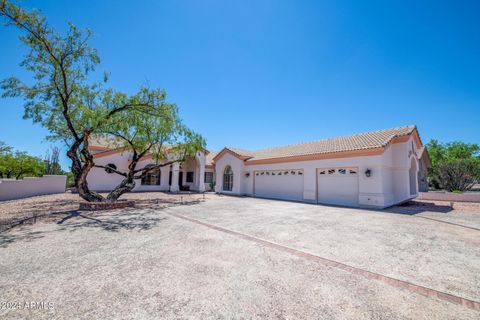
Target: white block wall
{"points": [[29, 187]]}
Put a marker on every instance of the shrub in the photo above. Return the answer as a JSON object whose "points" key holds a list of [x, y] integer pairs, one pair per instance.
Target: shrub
{"points": [[455, 165], [458, 175]]}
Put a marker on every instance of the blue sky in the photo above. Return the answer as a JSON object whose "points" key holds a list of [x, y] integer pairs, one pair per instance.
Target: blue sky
{"points": [[255, 74]]}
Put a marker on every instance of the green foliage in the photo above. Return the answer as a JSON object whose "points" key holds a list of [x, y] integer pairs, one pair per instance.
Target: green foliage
{"points": [[149, 125], [4, 149], [60, 65], [455, 165], [70, 180], [16, 165], [212, 186]]}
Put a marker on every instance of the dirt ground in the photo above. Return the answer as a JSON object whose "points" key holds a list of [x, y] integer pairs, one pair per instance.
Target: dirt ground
{"points": [[145, 263], [57, 204]]}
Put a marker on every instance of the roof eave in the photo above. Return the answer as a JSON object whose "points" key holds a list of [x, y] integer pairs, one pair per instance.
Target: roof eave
{"points": [[233, 153]]}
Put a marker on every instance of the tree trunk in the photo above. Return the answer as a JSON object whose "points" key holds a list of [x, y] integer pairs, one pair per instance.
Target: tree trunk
{"points": [[126, 185], [80, 171]]}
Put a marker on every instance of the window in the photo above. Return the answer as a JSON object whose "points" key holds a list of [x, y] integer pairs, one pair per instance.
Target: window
{"points": [[342, 171], [108, 166], [152, 177], [208, 177], [322, 172], [331, 171], [228, 179], [190, 176], [353, 171]]}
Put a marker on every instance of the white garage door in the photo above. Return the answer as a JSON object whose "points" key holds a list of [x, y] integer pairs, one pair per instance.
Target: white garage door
{"points": [[279, 184], [338, 186]]}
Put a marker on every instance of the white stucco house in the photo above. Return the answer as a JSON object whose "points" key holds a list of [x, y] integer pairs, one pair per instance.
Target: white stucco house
{"points": [[374, 169], [189, 175]]}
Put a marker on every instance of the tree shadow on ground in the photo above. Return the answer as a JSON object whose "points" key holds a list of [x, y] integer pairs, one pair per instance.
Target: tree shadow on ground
{"points": [[8, 238], [416, 207], [131, 219], [112, 221]]}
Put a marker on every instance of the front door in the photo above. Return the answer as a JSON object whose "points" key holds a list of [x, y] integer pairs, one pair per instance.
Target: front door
{"points": [[180, 179]]}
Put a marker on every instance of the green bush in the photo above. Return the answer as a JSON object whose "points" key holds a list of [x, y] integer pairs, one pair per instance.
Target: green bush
{"points": [[458, 175], [455, 165], [70, 180]]}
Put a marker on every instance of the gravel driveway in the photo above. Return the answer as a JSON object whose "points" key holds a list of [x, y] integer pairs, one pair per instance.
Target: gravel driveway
{"points": [[145, 263]]}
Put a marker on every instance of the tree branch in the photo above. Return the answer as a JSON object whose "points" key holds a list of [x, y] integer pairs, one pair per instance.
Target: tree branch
{"points": [[154, 167], [123, 174]]}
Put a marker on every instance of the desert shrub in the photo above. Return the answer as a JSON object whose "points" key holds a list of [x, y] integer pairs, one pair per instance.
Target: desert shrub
{"points": [[455, 165], [458, 175]]}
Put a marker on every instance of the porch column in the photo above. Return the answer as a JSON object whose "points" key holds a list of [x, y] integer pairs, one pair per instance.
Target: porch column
{"points": [[175, 169], [201, 182], [201, 166]]}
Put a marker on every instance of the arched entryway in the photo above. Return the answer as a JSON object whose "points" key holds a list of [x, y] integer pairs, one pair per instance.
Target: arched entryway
{"points": [[413, 176], [188, 175], [227, 179]]}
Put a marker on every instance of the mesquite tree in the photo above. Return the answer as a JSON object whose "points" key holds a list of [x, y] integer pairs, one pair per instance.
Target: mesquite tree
{"points": [[74, 108], [153, 129]]}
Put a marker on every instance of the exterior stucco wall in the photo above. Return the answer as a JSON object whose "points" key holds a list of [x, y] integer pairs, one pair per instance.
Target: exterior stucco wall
{"points": [[397, 160], [238, 169], [28, 187], [99, 180]]}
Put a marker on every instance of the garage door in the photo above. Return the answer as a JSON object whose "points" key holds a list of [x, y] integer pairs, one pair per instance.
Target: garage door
{"points": [[338, 186], [279, 184]]}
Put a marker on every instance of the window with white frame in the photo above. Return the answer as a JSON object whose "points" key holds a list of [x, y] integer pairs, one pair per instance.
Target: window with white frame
{"points": [[228, 179], [152, 177]]}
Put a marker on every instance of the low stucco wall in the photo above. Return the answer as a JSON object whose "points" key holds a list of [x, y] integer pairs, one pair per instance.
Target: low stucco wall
{"points": [[28, 187]]}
